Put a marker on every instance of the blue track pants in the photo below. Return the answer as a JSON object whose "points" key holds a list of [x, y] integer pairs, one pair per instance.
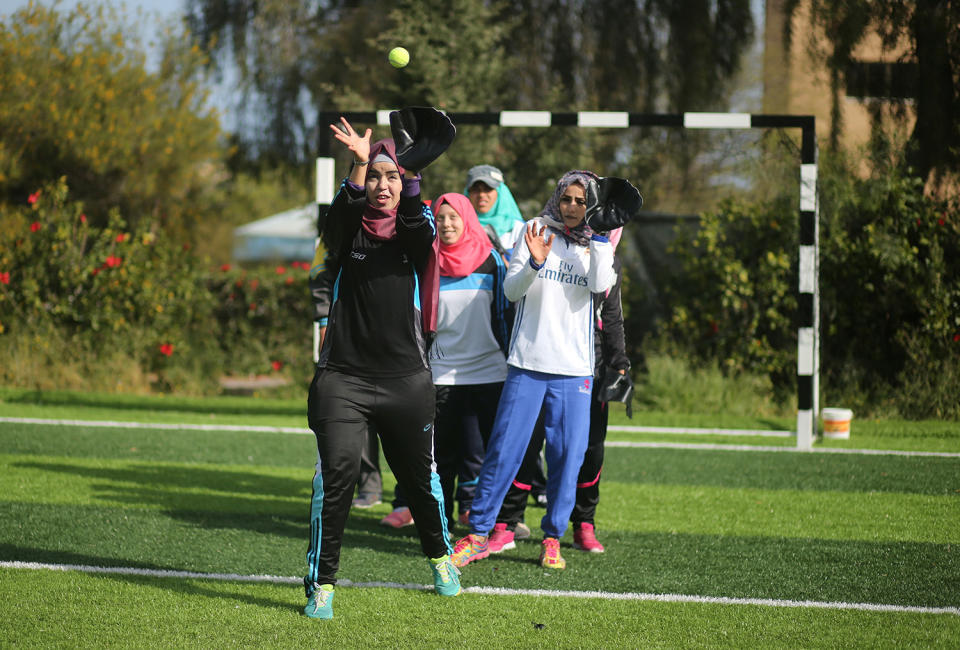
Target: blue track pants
{"points": [[566, 405]]}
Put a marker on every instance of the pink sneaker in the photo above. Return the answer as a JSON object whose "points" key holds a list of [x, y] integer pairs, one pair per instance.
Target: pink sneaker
{"points": [[399, 518], [585, 539], [501, 539], [470, 549]]}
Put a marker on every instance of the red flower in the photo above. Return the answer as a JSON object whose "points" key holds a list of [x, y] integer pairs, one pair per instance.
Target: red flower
{"points": [[35, 226], [289, 279], [83, 218], [277, 365], [940, 221], [33, 197], [239, 283], [94, 271], [714, 327], [121, 238], [113, 262], [281, 270], [254, 283], [956, 338], [253, 306], [919, 222], [5, 277], [166, 349], [224, 267]]}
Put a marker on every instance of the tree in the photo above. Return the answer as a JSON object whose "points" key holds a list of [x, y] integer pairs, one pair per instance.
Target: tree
{"points": [[77, 100], [634, 55], [929, 31]]}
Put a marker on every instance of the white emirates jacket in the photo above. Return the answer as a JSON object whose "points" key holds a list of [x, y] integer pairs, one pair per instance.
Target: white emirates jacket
{"points": [[553, 325]]}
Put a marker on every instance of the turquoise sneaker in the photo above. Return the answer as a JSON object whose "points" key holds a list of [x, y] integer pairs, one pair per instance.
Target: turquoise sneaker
{"points": [[320, 603], [446, 577]]}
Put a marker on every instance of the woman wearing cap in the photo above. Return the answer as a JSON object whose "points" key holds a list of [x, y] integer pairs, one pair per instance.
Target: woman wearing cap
{"points": [[468, 356], [552, 277], [374, 367], [496, 208]]}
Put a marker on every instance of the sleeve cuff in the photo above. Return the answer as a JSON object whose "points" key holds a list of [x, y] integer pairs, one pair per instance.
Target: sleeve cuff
{"points": [[599, 238], [411, 186], [536, 266]]}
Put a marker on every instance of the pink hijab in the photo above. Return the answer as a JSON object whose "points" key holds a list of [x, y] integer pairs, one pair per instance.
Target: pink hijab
{"points": [[462, 258]]}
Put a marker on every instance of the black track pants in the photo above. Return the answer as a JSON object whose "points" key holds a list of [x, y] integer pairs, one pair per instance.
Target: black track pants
{"points": [[401, 410]]}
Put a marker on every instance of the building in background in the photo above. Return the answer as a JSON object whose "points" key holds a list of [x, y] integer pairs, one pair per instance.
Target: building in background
{"points": [[797, 81], [283, 237]]}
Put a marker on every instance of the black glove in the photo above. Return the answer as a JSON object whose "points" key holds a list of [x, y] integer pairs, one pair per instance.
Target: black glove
{"points": [[421, 134], [618, 202], [615, 387]]}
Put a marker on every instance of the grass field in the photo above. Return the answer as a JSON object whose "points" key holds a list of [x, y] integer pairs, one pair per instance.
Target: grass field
{"points": [[204, 531]]}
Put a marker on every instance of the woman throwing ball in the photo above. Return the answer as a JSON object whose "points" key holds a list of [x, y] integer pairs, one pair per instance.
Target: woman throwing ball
{"points": [[373, 368]]}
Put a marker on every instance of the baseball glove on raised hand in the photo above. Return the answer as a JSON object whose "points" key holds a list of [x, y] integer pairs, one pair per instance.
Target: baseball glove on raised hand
{"points": [[421, 134], [618, 202]]}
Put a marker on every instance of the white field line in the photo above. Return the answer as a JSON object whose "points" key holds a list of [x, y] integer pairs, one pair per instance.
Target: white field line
{"points": [[692, 430], [494, 591], [113, 424], [817, 450], [610, 443]]}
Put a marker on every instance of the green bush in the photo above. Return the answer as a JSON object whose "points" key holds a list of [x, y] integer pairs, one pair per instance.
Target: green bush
{"points": [[889, 293], [733, 302], [76, 300]]}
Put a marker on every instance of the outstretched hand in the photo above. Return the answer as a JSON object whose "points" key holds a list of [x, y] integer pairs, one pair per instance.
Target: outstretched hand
{"points": [[359, 145], [538, 247]]}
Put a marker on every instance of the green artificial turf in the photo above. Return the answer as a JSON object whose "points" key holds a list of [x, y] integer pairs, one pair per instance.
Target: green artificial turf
{"points": [[53, 609], [844, 528]]}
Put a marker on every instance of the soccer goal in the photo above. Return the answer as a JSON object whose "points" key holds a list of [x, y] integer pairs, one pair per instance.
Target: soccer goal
{"points": [[808, 316]]}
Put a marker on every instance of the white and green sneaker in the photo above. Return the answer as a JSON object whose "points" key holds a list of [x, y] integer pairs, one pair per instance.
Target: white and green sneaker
{"points": [[320, 603], [446, 577]]}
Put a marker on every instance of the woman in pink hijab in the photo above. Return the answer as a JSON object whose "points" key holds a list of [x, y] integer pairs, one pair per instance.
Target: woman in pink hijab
{"points": [[468, 356]]}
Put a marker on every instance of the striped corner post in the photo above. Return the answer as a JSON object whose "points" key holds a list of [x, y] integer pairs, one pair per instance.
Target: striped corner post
{"points": [[324, 192], [808, 334], [808, 326]]}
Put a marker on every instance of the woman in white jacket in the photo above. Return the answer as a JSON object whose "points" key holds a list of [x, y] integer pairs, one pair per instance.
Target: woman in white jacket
{"points": [[552, 275]]}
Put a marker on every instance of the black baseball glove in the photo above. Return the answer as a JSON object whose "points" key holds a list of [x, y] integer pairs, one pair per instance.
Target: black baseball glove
{"points": [[615, 387], [421, 134], [617, 203]]}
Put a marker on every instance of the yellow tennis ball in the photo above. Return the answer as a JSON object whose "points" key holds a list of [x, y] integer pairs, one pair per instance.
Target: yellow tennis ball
{"points": [[399, 57]]}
